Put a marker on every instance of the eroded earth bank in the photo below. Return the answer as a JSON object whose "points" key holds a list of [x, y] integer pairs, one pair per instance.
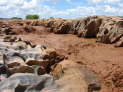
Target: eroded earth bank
{"points": [[62, 55]]}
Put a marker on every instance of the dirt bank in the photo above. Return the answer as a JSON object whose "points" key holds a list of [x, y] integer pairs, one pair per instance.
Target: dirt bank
{"points": [[103, 59]]}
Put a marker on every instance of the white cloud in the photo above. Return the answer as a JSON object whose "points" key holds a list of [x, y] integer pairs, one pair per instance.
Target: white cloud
{"points": [[79, 11], [104, 1], [95, 1], [109, 9], [112, 1], [20, 8], [53, 0]]}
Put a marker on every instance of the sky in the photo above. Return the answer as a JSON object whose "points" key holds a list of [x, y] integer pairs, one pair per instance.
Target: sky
{"points": [[60, 8]]}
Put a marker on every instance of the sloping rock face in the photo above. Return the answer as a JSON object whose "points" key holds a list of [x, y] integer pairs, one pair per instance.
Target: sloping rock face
{"points": [[78, 78]]}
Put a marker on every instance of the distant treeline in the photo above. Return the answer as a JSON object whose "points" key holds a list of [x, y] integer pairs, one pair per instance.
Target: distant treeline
{"points": [[120, 16], [16, 18], [29, 16]]}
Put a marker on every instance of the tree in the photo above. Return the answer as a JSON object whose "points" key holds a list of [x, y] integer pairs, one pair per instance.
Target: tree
{"points": [[30, 16]]}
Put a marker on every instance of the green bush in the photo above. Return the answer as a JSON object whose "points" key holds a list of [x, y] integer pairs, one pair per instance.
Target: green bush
{"points": [[30, 16], [16, 18]]}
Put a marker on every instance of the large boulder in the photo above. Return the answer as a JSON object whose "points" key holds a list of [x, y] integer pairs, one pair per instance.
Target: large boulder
{"points": [[7, 31], [88, 27], [73, 77], [24, 82], [111, 31]]}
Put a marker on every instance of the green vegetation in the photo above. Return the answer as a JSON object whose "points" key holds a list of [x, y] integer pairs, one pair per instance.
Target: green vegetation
{"points": [[16, 18], [30, 16]]}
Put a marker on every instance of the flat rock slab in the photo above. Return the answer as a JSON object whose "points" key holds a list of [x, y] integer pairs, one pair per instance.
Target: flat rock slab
{"points": [[77, 78], [24, 82]]}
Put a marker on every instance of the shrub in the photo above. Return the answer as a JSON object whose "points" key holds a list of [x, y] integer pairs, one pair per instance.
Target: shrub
{"points": [[32, 16]]}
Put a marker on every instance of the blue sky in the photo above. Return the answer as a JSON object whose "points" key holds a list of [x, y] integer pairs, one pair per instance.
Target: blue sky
{"points": [[60, 8]]}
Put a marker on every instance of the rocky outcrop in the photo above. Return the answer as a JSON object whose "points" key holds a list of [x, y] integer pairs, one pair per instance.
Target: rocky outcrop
{"points": [[21, 65], [110, 30], [17, 56], [106, 29]]}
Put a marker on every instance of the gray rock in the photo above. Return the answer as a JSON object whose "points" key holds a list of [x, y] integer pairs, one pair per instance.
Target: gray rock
{"points": [[28, 83]]}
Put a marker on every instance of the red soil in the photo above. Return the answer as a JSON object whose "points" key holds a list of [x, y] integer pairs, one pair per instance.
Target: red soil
{"points": [[103, 59]]}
